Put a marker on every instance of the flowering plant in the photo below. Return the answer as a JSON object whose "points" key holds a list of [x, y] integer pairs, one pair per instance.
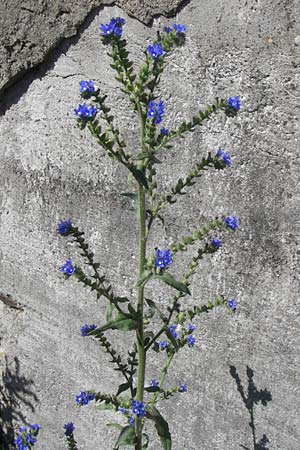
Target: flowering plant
{"points": [[136, 399]]}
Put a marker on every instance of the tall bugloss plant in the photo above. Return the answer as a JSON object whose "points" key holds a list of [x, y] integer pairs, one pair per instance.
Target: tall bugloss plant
{"points": [[138, 402]]}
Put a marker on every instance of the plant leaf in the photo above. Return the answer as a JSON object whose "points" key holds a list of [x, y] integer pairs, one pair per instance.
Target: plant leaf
{"points": [[146, 275], [154, 307], [114, 425], [105, 406], [167, 278], [124, 322], [172, 339], [139, 176], [132, 195], [127, 437], [109, 310], [123, 387], [162, 427]]}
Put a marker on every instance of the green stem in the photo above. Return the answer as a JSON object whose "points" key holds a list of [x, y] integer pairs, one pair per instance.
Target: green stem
{"points": [[163, 376]]}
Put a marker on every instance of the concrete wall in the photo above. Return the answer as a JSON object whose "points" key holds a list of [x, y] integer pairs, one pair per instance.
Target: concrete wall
{"points": [[51, 170]]}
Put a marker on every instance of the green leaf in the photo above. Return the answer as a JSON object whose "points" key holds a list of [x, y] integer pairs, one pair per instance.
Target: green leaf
{"points": [[145, 441], [152, 389], [154, 307], [124, 322], [146, 275], [143, 155], [127, 437], [172, 339], [162, 427], [109, 310], [122, 388], [139, 176], [132, 195], [114, 425], [105, 406], [171, 281]]}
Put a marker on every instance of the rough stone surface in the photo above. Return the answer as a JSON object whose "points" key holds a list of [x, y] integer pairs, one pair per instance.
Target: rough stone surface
{"points": [[31, 29], [51, 170]]}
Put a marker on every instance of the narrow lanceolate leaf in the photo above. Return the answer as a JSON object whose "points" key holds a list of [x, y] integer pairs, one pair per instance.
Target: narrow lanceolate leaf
{"points": [[123, 387], [171, 281], [146, 275], [127, 437], [124, 322], [154, 307], [109, 310], [139, 176], [131, 195], [161, 426]]}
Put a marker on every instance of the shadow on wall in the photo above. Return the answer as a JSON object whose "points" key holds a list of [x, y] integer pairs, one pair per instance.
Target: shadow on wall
{"points": [[253, 397], [15, 392]]}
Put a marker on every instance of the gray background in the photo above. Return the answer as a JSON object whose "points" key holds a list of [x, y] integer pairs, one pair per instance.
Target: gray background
{"points": [[50, 170]]}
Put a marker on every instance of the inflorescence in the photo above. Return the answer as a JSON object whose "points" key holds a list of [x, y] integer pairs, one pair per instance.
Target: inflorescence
{"points": [[163, 259]]}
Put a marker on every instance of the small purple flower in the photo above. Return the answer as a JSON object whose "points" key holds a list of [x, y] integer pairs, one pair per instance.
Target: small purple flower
{"points": [[30, 439], [232, 222], [232, 304], [138, 408], [85, 329], [68, 268], [22, 429], [122, 410], [86, 87], [164, 131], [84, 398], [64, 227], [191, 327], [216, 243], [172, 329], [182, 387], [224, 157], [155, 50], [163, 345], [113, 28], [167, 29], [154, 383], [234, 102], [34, 426], [69, 428], [180, 29], [156, 111], [191, 341], [85, 111], [163, 259], [131, 421]]}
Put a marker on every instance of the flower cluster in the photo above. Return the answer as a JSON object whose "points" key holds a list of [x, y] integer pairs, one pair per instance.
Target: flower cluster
{"points": [[163, 259], [232, 222], [69, 428], [232, 304], [85, 329], [164, 131], [163, 345], [234, 102], [182, 387], [85, 111], [113, 28], [86, 87], [156, 111], [27, 437], [84, 398], [191, 341], [172, 329], [138, 408], [155, 50], [179, 29], [67, 268], [64, 227], [154, 383], [216, 243], [224, 157]]}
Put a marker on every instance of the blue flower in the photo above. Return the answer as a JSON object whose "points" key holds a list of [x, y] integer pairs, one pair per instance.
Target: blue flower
{"points": [[113, 28], [154, 383], [182, 387], [232, 222], [18, 442], [163, 345], [122, 410], [224, 157], [191, 327], [68, 268], [86, 86], [167, 30], [179, 28], [22, 429], [69, 428], [131, 421], [216, 243], [85, 111], [30, 439], [191, 341], [85, 329], [164, 131], [156, 111], [155, 50], [234, 102], [34, 426], [163, 259], [138, 408], [172, 329], [232, 304], [84, 398], [64, 227]]}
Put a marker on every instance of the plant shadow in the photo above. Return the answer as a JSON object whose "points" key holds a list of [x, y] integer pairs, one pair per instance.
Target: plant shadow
{"points": [[15, 392], [253, 397]]}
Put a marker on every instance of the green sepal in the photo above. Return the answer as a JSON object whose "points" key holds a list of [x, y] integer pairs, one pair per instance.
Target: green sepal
{"points": [[161, 426], [124, 322], [167, 278], [127, 437]]}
